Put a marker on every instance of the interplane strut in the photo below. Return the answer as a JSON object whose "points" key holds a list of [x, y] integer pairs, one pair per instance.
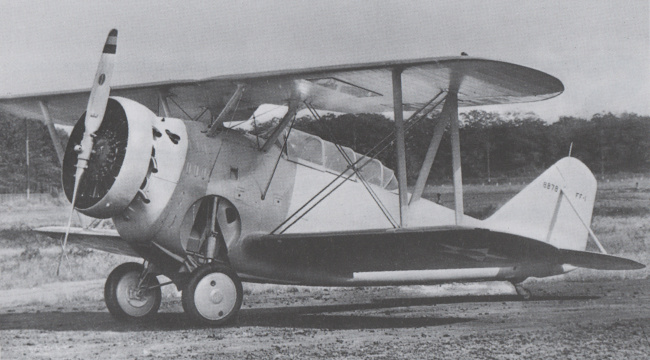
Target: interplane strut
{"points": [[52, 130], [398, 111], [452, 98]]}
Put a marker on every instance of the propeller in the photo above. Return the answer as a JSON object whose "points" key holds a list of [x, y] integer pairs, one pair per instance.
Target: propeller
{"points": [[94, 115]]}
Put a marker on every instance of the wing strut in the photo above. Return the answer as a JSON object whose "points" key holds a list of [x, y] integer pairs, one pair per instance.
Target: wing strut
{"points": [[452, 99], [230, 106], [52, 130], [398, 111], [430, 156], [291, 112], [282, 151], [162, 97]]}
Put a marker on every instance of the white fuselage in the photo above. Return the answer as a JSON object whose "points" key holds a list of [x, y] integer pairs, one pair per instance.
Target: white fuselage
{"points": [[266, 188]]}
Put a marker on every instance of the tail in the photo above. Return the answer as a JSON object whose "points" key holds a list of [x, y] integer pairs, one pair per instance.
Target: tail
{"points": [[555, 208]]}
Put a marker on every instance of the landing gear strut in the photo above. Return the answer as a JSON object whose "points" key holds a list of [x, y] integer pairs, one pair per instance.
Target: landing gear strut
{"points": [[131, 293], [213, 294]]}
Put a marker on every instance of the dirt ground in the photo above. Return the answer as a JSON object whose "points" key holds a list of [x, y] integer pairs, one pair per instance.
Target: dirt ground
{"points": [[581, 315], [605, 319]]}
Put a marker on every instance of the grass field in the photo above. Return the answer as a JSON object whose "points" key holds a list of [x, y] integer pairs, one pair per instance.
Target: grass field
{"points": [[621, 221]]}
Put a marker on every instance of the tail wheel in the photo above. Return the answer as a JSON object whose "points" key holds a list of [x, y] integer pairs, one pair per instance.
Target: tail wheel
{"points": [[127, 299], [213, 295], [523, 292]]}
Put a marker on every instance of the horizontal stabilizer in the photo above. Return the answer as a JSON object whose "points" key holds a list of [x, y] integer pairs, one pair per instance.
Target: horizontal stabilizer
{"points": [[598, 261], [104, 240]]}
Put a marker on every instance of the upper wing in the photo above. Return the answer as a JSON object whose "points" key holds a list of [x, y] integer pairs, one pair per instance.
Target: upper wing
{"points": [[352, 88], [104, 240]]}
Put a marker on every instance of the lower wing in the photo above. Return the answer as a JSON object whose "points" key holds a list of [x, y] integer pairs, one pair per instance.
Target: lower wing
{"points": [[101, 239], [342, 254]]}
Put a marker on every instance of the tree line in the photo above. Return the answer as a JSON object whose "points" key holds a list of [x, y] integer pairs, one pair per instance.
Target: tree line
{"points": [[44, 169], [494, 146]]}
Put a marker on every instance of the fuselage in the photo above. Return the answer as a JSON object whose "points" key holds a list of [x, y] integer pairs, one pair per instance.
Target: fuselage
{"points": [[266, 188]]}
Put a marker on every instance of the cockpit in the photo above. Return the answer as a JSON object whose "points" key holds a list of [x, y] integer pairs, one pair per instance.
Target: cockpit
{"points": [[312, 151]]}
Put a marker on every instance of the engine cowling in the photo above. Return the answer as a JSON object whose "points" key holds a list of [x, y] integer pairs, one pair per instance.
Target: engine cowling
{"points": [[119, 163]]}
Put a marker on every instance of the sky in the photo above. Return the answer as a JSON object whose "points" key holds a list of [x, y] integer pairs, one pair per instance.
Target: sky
{"points": [[600, 50]]}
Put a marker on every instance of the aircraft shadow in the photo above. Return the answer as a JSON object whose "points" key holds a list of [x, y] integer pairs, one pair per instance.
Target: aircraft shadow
{"points": [[318, 316], [315, 317]]}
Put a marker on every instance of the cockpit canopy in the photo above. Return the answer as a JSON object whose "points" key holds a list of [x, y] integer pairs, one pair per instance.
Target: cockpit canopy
{"points": [[311, 150]]}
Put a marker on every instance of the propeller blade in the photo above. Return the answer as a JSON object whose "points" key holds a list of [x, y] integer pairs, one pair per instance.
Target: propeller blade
{"points": [[94, 115], [98, 98]]}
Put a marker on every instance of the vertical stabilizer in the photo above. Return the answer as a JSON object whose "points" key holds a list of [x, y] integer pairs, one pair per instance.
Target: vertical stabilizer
{"points": [[553, 207]]}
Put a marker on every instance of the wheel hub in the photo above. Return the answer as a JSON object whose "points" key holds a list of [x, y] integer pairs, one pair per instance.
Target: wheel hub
{"points": [[215, 296], [133, 299], [136, 296]]}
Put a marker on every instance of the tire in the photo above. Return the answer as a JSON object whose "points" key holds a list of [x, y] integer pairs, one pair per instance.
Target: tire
{"points": [[213, 295], [121, 298]]}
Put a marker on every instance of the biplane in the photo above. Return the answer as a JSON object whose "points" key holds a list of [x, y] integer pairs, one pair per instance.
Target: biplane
{"points": [[209, 207]]}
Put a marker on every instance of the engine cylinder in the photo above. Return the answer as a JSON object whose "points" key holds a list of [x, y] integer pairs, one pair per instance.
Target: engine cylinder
{"points": [[119, 162]]}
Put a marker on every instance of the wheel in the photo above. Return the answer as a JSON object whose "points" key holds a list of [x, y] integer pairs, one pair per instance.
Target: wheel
{"points": [[123, 298], [213, 295]]}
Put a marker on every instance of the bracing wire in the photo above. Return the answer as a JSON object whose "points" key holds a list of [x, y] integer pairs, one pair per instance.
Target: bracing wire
{"points": [[383, 143]]}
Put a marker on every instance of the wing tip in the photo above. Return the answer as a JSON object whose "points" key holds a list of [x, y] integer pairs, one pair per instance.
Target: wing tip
{"points": [[635, 265], [599, 261], [113, 32]]}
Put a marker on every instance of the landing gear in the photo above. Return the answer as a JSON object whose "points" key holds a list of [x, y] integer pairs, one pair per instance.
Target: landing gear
{"points": [[213, 295], [131, 293], [522, 291]]}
